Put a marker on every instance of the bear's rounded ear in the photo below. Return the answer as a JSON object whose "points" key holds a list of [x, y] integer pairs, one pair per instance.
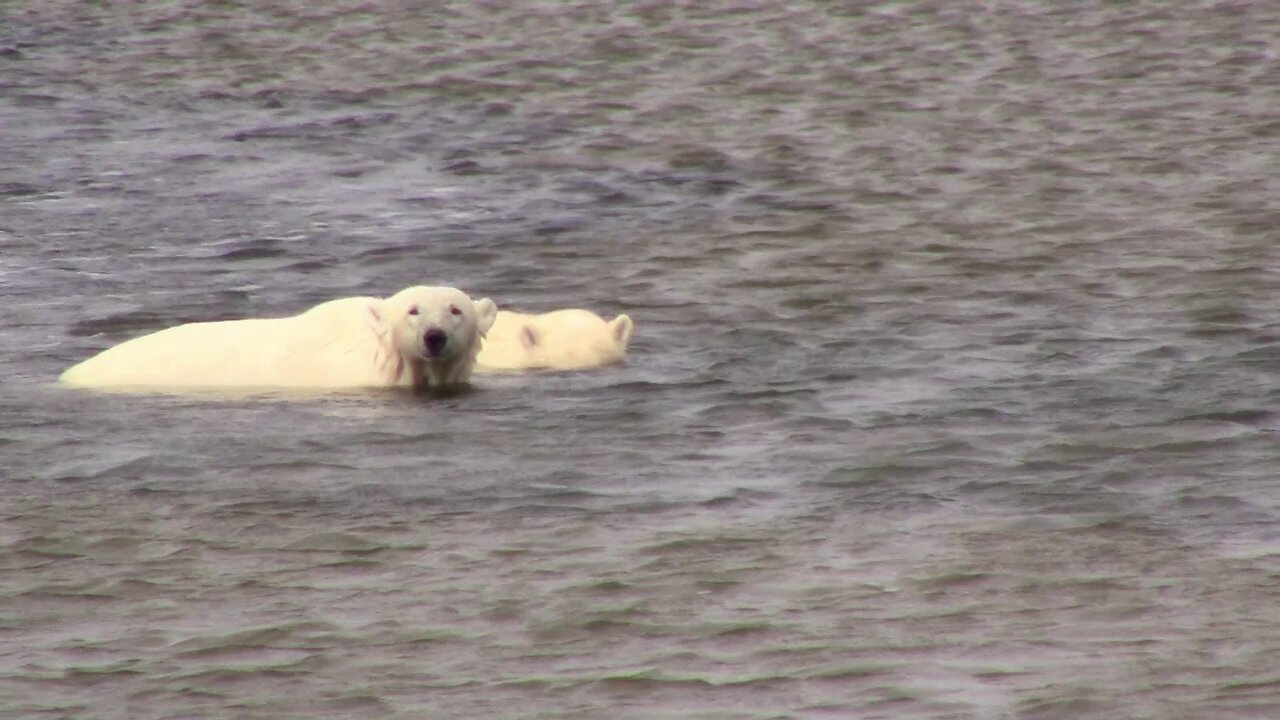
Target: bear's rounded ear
{"points": [[486, 313], [622, 327]]}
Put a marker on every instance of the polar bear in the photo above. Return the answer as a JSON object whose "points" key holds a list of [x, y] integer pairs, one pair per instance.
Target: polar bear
{"points": [[570, 339], [421, 338]]}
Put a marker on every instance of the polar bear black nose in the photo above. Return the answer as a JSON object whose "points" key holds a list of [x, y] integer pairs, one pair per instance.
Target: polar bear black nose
{"points": [[435, 340]]}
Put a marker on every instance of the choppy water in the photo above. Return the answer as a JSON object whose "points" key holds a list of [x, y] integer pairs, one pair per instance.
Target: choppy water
{"points": [[954, 391]]}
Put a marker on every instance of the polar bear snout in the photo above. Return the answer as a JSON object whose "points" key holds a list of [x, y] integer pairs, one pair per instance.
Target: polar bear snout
{"points": [[435, 340]]}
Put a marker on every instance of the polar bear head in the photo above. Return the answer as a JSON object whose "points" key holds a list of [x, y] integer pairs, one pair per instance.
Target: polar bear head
{"points": [[437, 330], [569, 339]]}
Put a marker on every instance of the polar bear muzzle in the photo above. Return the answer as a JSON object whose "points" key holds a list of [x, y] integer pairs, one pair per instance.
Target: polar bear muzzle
{"points": [[435, 340]]}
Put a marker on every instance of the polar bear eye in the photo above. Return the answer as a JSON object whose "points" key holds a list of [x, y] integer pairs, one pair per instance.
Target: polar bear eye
{"points": [[455, 309], [413, 310]]}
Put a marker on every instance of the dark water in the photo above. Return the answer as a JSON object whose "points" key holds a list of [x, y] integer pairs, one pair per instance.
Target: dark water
{"points": [[953, 395]]}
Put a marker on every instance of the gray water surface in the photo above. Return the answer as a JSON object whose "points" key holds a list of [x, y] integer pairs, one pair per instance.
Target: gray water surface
{"points": [[953, 392]]}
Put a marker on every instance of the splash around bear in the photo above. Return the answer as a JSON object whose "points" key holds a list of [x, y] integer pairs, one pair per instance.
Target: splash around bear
{"points": [[570, 339], [425, 338]]}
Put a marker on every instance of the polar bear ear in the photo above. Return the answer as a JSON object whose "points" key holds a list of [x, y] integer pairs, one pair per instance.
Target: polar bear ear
{"points": [[622, 327], [486, 313], [528, 337]]}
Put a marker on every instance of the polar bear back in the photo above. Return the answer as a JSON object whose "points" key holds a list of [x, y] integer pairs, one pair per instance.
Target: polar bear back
{"points": [[310, 349]]}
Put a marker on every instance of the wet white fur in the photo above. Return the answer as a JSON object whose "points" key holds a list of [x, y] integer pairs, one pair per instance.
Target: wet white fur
{"points": [[569, 339], [353, 342]]}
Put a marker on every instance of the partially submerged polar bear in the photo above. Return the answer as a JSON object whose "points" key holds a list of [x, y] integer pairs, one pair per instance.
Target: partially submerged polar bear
{"points": [[421, 337], [569, 339]]}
